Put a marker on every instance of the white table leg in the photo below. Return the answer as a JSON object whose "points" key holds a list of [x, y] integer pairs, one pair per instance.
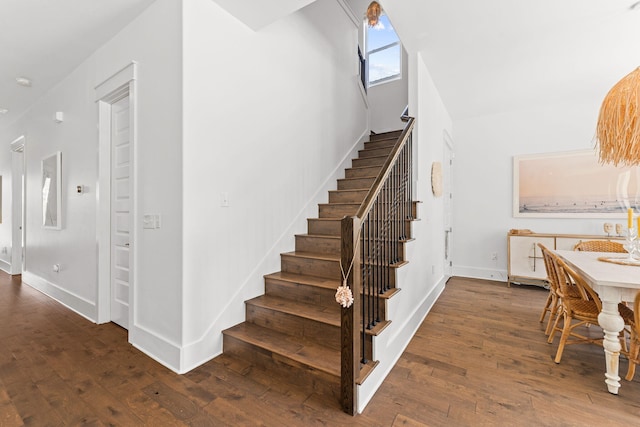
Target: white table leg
{"points": [[611, 322]]}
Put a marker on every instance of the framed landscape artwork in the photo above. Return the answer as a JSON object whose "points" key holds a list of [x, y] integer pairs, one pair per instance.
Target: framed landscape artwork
{"points": [[573, 185]]}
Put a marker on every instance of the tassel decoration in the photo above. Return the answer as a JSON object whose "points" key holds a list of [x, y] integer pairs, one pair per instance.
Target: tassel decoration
{"points": [[344, 297]]}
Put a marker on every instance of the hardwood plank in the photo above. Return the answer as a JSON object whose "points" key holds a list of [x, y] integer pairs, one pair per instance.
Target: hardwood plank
{"points": [[480, 357]]}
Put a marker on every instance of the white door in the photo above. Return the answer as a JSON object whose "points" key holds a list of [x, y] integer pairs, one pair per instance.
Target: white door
{"points": [[447, 193], [17, 206], [120, 211]]}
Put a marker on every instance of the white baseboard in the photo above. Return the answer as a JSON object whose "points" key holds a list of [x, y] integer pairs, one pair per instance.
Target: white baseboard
{"points": [[156, 347], [396, 343], [82, 306], [5, 266], [481, 273], [200, 352]]}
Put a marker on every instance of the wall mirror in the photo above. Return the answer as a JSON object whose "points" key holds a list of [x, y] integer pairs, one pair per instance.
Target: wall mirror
{"points": [[52, 191]]}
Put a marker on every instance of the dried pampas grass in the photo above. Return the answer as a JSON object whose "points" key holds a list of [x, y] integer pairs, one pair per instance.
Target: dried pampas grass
{"points": [[618, 131]]}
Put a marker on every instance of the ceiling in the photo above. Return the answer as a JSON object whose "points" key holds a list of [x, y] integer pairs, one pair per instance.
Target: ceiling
{"points": [[486, 57], [492, 56], [44, 40]]}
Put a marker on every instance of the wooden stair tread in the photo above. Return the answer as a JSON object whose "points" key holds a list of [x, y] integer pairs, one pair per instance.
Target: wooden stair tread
{"points": [[371, 169], [379, 327], [313, 255], [320, 282], [367, 167], [298, 349], [388, 294], [397, 264], [320, 236], [365, 370], [294, 328], [328, 315], [384, 135], [340, 205], [349, 190], [355, 178]]}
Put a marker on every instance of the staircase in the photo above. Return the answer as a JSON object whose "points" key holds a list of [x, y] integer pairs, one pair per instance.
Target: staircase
{"points": [[293, 330]]}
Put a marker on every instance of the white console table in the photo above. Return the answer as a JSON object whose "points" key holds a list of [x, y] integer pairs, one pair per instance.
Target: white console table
{"points": [[524, 259]]}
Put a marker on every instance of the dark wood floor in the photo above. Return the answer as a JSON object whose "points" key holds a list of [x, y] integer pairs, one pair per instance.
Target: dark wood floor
{"points": [[480, 358]]}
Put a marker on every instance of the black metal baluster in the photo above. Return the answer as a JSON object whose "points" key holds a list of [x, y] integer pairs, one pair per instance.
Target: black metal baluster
{"points": [[365, 249], [376, 280]]}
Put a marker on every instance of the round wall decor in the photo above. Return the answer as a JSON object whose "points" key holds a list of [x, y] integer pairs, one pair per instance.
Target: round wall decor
{"points": [[436, 179]]}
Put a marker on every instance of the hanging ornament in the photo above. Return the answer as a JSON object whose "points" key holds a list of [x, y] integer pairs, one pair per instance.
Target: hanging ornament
{"points": [[344, 297], [373, 13]]}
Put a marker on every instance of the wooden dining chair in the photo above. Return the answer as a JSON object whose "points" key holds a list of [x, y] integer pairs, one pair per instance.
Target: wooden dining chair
{"points": [[634, 340], [553, 305], [599, 246], [578, 312]]}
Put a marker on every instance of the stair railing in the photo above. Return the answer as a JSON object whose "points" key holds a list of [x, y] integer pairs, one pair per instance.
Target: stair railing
{"points": [[370, 250]]}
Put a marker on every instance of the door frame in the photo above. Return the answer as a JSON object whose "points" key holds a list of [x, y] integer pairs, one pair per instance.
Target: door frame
{"points": [[114, 88], [18, 198], [449, 155]]}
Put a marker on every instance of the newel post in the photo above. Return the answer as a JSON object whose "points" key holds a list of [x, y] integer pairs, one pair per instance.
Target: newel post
{"points": [[350, 317]]}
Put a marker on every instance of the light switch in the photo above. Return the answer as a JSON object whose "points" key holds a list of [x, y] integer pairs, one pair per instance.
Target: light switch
{"points": [[151, 221], [147, 222]]}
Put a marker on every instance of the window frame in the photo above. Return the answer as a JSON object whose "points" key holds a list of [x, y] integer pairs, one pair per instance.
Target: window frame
{"points": [[368, 52]]}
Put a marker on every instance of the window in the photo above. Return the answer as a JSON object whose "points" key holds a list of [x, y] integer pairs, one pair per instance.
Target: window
{"points": [[383, 52]]}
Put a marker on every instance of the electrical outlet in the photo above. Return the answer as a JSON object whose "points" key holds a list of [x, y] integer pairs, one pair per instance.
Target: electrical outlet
{"points": [[494, 256], [224, 200]]}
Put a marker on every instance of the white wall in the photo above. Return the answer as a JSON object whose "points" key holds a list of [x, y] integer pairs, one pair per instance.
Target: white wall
{"points": [[154, 41], [483, 180], [5, 204], [271, 119], [387, 101]]}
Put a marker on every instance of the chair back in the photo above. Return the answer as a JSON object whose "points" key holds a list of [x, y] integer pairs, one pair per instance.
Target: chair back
{"points": [[599, 246], [549, 266], [568, 277]]}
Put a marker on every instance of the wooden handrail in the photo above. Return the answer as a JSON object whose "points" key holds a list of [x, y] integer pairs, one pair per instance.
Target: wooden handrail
{"points": [[386, 169]]}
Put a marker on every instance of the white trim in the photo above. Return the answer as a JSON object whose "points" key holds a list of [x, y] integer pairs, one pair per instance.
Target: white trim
{"points": [[80, 305], [5, 266], [119, 85], [106, 89], [18, 197], [398, 342], [153, 345], [449, 141], [349, 12], [499, 275], [18, 144]]}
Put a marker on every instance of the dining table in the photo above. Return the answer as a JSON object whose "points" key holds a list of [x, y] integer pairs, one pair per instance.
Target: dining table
{"points": [[616, 278]]}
